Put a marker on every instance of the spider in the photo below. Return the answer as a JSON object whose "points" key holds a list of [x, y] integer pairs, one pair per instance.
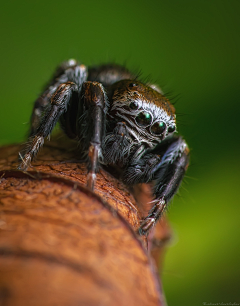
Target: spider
{"points": [[120, 122]]}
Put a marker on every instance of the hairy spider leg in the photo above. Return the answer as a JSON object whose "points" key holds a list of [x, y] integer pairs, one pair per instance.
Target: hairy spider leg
{"points": [[95, 107], [165, 165], [59, 103], [168, 178], [63, 73]]}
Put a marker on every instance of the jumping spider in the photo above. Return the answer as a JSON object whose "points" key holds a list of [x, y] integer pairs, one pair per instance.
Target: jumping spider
{"points": [[120, 122]]}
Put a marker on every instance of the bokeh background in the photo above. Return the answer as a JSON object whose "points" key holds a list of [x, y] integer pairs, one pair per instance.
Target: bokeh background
{"points": [[191, 49]]}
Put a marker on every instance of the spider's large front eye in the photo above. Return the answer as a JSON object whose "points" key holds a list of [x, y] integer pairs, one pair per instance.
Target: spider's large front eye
{"points": [[158, 128], [144, 119]]}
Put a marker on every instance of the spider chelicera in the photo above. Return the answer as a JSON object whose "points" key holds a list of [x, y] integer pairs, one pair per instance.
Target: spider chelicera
{"points": [[120, 122]]}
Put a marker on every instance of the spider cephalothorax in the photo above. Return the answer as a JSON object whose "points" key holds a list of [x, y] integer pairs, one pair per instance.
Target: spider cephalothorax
{"points": [[148, 115], [120, 122]]}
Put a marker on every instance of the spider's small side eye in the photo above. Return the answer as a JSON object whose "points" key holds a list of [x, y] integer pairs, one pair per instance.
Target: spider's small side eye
{"points": [[133, 105], [158, 128], [144, 119], [171, 128], [132, 85]]}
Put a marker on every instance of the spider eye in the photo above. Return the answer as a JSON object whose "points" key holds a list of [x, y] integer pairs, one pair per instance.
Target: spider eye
{"points": [[144, 119], [132, 85], [158, 128], [171, 128], [133, 105]]}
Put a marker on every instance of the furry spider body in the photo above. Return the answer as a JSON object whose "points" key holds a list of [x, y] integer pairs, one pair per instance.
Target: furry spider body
{"points": [[120, 123]]}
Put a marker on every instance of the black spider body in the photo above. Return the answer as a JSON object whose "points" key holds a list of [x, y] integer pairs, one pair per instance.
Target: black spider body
{"points": [[119, 122]]}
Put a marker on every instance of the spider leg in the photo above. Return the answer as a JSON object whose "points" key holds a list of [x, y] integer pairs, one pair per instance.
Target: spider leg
{"points": [[93, 121], [59, 103], [68, 71], [165, 166]]}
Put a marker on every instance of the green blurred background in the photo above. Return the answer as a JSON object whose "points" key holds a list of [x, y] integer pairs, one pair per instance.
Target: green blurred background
{"points": [[191, 49]]}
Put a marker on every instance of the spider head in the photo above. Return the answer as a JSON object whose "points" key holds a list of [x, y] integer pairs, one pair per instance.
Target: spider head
{"points": [[149, 115]]}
